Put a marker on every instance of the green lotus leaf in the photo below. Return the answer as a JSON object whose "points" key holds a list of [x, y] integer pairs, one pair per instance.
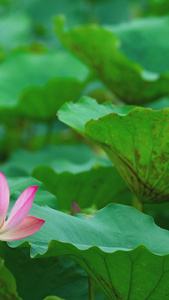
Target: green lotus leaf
{"points": [[116, 55], [18, 184], [114, 243], [23, 162], [87, 177], [136, 142], [62, 276], [135, 40], [46, 83], [158, 104], [87, 186], [8, 289]]}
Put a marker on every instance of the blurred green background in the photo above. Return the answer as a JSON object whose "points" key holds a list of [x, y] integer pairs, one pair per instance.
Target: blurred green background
{"points": [[37, 76]]}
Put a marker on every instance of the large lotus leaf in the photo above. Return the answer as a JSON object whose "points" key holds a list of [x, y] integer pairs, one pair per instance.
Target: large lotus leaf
{"points": [[136, 142], [22, 162], [101, 49], [145, 42], [119, 247], [36, 85], [87, 177], [87, 187], [7, 284], [39, 278]]}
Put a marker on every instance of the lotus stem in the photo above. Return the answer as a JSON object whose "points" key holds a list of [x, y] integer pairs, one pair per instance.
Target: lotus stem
{"points": [[138, 204], [91, 288]]}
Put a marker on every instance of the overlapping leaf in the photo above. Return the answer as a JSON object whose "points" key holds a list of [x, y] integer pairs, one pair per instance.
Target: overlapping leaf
{"points": [[136, 141], [36, 85], [145, 42], [39, 278], [70, 173], [134, 71], [114, 243], [18, 184], [7, 284], [22, 162], [87, 187]]}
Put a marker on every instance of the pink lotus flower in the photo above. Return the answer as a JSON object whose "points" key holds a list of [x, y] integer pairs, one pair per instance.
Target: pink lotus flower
{"points": [[18, 225]]}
